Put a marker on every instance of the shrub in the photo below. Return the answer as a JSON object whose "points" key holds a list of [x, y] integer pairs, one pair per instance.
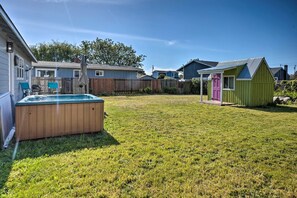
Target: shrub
{"points": [[170, 90], [195, 86], [148, 90]]}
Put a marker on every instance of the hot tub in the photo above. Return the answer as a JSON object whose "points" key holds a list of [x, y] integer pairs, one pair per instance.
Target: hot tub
{"points": [[41, 116]]}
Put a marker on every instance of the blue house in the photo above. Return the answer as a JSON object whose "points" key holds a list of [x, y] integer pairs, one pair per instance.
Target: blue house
{"points": [[190, 69], [168, 73], [72, 70]]}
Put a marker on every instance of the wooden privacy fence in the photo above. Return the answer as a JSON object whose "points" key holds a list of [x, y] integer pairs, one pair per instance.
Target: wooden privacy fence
{"points": [[110, 86]]}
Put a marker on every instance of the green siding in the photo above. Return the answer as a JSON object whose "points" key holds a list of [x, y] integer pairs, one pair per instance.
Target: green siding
{"points": [[262, 86], [255, 92], [241, 94]]}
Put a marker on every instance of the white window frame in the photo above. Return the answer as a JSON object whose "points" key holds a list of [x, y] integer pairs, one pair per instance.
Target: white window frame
{"points": [[42, 69], [20, 69], [79, 73], [102, 72], [228, 76]]}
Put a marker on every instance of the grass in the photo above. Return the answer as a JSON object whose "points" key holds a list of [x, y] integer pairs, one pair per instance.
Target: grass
{"points": [[162, 146]]}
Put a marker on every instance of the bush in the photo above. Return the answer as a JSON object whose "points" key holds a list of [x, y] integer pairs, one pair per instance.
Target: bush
{"points": [[286, 88], [195, 86], [147, 90], [170, 90]]}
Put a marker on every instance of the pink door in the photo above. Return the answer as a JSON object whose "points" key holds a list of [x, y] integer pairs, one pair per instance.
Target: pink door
{"points": [[216, 87]]}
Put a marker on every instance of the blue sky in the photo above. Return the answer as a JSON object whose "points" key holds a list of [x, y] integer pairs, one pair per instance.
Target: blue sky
{"points": [[168, 32]]}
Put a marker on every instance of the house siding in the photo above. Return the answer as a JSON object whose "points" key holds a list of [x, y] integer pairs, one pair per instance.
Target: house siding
{"points": [[262, 86], [4, 74], [115, 74], [241, 94], [18, 94], [190, 71]]}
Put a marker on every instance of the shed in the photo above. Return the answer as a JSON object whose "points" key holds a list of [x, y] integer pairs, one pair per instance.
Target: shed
{"points": [[246, 82]]}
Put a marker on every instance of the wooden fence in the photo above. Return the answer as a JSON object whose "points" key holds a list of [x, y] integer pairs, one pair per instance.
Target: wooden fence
{"points": [[109, 86]]}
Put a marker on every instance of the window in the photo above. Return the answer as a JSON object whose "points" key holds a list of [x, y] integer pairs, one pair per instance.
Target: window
{"points": [[76, 73], [229, 82], [99, 73], [20, 69], [45, 73]]}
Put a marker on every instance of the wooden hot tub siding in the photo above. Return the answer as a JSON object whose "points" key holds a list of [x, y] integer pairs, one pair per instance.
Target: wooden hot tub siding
{"points": [[40, 121]]}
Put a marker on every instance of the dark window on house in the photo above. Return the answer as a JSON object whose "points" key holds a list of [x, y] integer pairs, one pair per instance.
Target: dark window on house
{"points": [[99, 73], [229, 82], [76, 73]]}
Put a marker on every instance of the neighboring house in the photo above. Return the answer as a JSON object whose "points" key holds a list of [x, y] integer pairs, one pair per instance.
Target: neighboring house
{"points": [[15, 58], [246, 82], [168, 73], [280, 73], [72, 70], [189, 70], [146, 77]]}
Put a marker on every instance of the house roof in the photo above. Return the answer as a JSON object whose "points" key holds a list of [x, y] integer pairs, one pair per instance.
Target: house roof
{"points": [[50, 64], [146, 76], [160, 70], [274, 70], [13, 34], [250, 67], [203, 62]]}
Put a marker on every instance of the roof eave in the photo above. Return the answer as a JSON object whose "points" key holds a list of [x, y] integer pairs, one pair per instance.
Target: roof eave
{"points": [[207, 71], [16, 32]]}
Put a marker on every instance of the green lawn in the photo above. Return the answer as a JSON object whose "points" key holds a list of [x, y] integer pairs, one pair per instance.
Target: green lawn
{"points": [[162, 146]]}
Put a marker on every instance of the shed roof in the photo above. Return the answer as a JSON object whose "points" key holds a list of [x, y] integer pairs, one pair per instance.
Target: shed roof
{"points": [[250, 67], [50, 64], [203, 62], [12, 32]]}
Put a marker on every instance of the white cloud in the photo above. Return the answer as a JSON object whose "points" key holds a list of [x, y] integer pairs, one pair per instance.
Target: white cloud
{"points": [[98, 33], [172, 42]]}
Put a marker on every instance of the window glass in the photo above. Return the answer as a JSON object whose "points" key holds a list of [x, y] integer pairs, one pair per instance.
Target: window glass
{"points": [[20, 69], [226, 82], [45, 73], [76, 73], [231, 82], [99, 73]]}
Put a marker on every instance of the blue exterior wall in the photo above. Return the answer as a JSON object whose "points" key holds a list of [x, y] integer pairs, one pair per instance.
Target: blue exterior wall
{"points": [[68, 73], [190, 71]]}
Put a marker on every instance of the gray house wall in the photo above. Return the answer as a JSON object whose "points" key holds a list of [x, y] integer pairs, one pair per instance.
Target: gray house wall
{"points": [[190, 71], [115, 74], [4, 80], [18, 94]]}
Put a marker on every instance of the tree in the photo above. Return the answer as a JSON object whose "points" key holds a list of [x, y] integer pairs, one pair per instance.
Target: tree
{"points": [[101, 51], [55, 51]]}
